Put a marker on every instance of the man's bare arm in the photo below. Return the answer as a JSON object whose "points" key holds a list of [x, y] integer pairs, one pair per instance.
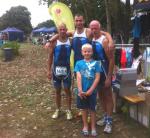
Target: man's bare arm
{"points": [[108, 36], [110, 57], [50, 60], [56, 36]]}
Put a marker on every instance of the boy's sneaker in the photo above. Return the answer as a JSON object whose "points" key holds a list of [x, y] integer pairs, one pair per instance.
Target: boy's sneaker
{"points": [[69, 115], [108, 128], [101, 122], [56, 114], [93, 133]]}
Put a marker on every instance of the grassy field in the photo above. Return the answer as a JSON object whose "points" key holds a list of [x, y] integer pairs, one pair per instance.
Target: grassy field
{"points": [[27, 101]]}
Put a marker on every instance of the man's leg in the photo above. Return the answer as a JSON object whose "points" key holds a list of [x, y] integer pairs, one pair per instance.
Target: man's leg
{"points": [[58, 103], [58, 98], [109, 109], [101, 96], [108, 100], [67, 86], [102, 100], [57, 85], [68, 98]]}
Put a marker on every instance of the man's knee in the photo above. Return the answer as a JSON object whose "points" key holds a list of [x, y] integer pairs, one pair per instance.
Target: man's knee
{"points": [[67, 91]]}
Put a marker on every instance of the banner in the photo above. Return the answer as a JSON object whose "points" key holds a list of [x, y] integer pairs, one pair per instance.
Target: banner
{"points": [[61, 13]]}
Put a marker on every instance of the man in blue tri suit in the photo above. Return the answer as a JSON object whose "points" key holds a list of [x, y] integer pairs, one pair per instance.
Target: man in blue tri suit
{"points": [[59, 56], [106, 59], [80, 36]]}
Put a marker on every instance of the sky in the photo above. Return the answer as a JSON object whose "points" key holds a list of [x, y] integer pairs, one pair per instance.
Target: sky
{"points": [[39, 13], [131, 1]]}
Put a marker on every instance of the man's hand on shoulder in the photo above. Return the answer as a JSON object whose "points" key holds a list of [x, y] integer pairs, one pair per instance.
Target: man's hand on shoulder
{"points": [[47, 45]]}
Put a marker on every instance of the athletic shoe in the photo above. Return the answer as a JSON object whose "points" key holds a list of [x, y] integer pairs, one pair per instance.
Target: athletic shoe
{"points": [[56, 114], [69, 115], [85, 133], [101, 122], [93, 133], [108, 128]]}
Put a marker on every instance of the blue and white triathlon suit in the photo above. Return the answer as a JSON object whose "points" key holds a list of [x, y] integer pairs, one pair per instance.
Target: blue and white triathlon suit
{"points": [[77, 42], [99, 55], [61, 65]]}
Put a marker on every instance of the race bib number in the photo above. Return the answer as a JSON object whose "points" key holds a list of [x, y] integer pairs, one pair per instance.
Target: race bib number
{"points": [[61, 71]]}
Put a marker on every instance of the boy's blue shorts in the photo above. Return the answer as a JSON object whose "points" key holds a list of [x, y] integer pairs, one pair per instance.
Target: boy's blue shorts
{"points": [[58, 80], [88, 103]]}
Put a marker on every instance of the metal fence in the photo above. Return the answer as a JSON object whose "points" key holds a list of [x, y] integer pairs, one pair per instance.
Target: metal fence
{"points": [[131, 45]]}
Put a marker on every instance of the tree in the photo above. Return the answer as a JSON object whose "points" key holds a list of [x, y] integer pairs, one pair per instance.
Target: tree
{"points": [[48, 23], [113, 15], [120, 18], [91, 9], [108, 16], [18, 17]]}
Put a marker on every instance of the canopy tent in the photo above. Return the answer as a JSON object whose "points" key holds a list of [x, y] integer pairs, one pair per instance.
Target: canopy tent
{"points": [[45, 30], [13, 33]]}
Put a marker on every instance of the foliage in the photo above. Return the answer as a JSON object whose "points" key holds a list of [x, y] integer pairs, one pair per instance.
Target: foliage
{"points": [[14, 45], [113, 14], [125, 109], [90, 9], [18, 17], [27, 101], [48, 23]]}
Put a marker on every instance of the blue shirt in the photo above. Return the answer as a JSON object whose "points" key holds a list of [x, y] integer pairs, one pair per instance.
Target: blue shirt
{"points": [[88, 71]]}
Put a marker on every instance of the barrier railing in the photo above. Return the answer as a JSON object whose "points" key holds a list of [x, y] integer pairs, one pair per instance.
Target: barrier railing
{"points": [[131, 45]]}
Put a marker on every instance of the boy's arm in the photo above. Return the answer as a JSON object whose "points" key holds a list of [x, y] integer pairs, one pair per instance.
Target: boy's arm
{"points": [[81, 94], [94, 85], [79, 82], [50, 60]]}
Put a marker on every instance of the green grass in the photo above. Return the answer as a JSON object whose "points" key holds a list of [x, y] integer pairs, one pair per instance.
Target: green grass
{"points": [[27, 101]]}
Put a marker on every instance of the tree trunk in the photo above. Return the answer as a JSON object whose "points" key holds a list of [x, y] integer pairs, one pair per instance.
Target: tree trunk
{"points": [[108, 17]]}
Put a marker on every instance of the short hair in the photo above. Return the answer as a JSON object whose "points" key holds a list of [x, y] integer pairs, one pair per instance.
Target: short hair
{"points": [[87, 45], [79, 14], [62, 24], [95, 22]]}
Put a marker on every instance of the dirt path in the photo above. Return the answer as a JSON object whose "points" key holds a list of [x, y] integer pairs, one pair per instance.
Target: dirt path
{"points": [[27, 103]]}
